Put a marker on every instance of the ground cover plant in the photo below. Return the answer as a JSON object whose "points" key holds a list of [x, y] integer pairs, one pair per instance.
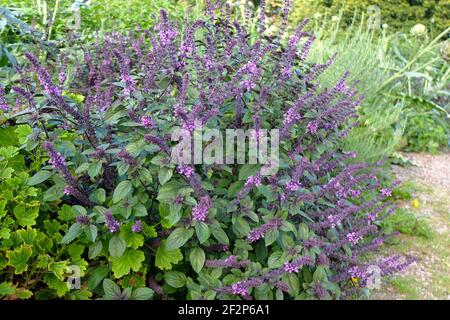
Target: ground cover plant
{"points": [[131, 224]]}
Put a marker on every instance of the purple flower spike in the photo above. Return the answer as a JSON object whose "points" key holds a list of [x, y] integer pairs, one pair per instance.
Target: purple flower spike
{"points": [[147, 122], [230, 262], [112, 224], [319, 290], [186, 170], [239, 288], [353, 238], [83, 219], [291, 267], [67, 190], [137, 227], [253, 181], [386, 192], [259, 232], [200, 211], [3, 104], [293, 186], [312, 127]]}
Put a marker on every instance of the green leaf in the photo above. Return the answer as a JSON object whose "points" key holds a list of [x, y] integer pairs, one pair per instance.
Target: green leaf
{"points": [[91, 232], [74, 231], [122, 190], [66, 213], [263, 292], [39, 177], [122, 169], [26, 216], [97, 276], [197, 258], [126, 293], [117, 246], [248, 170], [82, 294], [234, 188], [202, 231], [132, 239], [6, 289], [28, 235], [23, 131], [168, 191], [164, 175], [142, 294], [303, 231], [170, 215], [219, 234], [8, 137], [139, 210], [271, 236], [75, 251], [5, 233], [58, 269], [178, 238], [54, 193], [98, 196], [6, 173], [292, 281], [94, 169], [95, 249], [18, 258], [23, 293], [52, 227], [275, 260], [240, 226], [320, 274], [111, 289], [175, 279], [61, 287], [82, 168], [165, 257], [79, 210], [130, 260]]}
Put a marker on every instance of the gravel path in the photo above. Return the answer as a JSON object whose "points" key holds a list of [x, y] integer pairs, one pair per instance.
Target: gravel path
{"points": [[429, 277], [433, 170]]}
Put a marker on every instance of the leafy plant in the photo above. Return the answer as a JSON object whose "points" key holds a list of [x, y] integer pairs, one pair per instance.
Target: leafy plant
{"points": [[31, 258], [424, 133], [114, 292], [204, 231], [398, 15]]}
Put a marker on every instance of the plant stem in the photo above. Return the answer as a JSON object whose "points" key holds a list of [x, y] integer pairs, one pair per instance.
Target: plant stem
{"points": [[55, 10], [401, 71]]}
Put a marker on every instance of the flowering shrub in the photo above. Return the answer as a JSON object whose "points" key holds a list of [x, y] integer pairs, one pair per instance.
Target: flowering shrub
{"points": [[205, 231]]}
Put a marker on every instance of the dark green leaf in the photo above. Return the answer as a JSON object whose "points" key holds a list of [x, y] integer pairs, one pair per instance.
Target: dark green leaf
{"points": [[39, 177], [122, 190], [179, 237], [74, 231], [117, 246], [197, 258]]}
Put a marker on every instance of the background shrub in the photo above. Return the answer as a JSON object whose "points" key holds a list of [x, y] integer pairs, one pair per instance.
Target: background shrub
{"points": [[399, 15]]}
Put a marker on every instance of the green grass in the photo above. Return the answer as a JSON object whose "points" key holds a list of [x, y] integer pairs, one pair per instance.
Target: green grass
{"points": [[406, 287], [406, 190], [406, 222]]}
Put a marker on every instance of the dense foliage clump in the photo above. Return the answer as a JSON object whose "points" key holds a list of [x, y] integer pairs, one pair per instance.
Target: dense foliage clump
{"points": [[397, 14], [130, 214]]}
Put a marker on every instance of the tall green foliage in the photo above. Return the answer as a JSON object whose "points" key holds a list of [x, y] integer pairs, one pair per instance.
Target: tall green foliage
{"points": [[400, 15]]}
